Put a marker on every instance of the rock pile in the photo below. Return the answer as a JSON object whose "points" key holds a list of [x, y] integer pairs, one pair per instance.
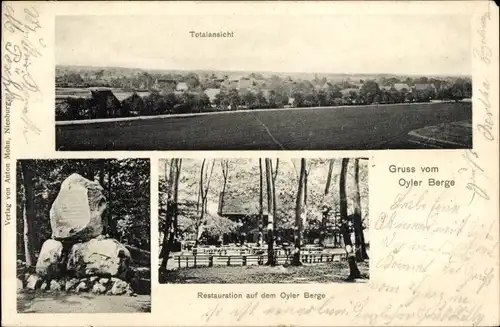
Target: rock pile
{"points": [[94, 284], [78, 257]]}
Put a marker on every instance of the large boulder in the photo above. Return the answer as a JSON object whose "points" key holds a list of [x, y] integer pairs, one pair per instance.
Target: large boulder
{"points": [[101, 257], [33, 282], [55, 285], [20, 286], [77, 210], [48, 263], [120, 287]]}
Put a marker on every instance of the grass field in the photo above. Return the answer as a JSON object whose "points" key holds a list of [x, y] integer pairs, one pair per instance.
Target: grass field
{"points": [[335, 128], [333, 272]]}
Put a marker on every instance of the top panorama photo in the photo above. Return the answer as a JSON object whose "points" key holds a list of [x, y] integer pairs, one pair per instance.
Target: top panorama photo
{"points": [[338, 82]]}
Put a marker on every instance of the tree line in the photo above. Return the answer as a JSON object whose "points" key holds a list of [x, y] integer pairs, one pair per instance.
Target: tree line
{"points": [[277, 195], [126, 188], [271, 92], [153, 104]]}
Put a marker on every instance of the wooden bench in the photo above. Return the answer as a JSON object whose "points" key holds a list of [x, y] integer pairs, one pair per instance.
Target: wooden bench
{"points": [[206, 260]]}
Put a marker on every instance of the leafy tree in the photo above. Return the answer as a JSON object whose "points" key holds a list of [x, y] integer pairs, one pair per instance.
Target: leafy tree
{"points": [[445, 93], [322, 98], [409, 97], [243, 182], [234, 99], [73, 109], [156, 103], [422, 80], [134, 103], [369, 91], [409, 81], [248, 99], [73, 78], [467, 89], [204, 101], [275, 99], [171, 101], [332, 95], [193, 81], [221, 99], [260, 100], [396, 96], [299, 99]]}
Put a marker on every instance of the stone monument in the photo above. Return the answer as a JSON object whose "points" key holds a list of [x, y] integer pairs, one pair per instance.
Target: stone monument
{"points": [[78, 257]]}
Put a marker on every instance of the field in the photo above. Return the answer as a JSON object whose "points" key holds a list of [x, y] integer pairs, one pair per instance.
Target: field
{"points": [[326, 128], [319, 273]]}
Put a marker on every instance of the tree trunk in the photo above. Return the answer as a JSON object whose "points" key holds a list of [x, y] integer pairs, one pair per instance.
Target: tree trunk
{"points": [[176, 198], [203, 195], [90, 170], [361, 254], [261, 206], [199, 203], [326, 209], [304, 210], [299, 213], [271, 259], [225, 168], [102, 173], [110, 228], [224, 164], [28, 214], [167, 231], [275, 209], [353, 267], [101, 164]]}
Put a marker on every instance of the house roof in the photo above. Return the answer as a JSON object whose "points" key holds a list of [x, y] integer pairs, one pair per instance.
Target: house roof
{"points": [[163, 80], [211, 93], [400, 86], [420, 87], [348, 91], [324, 86], [99, 89], [230, 83], [182, 85]]}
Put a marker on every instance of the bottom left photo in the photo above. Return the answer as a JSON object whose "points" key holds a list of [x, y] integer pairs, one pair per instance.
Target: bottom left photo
{"points": [[83, 236]]}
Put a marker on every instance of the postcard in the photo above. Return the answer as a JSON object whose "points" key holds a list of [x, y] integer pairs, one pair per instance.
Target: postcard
{"points": [[250, 163]]}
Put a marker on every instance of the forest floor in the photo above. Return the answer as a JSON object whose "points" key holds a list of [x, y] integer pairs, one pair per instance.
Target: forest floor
{"points": [[334, 272], [81, 303]]}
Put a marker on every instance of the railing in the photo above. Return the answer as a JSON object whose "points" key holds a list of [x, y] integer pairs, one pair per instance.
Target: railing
{"points": [[249, 251], [194, 261]]}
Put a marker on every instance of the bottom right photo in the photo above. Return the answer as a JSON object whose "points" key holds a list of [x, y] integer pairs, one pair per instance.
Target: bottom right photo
{"points": [[263, 220]]}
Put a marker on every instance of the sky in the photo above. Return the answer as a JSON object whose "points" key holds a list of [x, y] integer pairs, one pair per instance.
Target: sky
{"points": [[361, 44]]}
